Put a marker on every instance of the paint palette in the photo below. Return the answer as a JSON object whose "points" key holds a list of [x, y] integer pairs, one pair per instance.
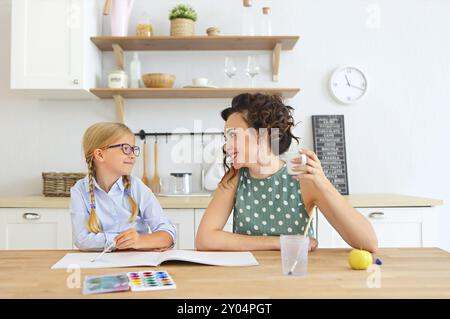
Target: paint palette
{"points": [[150, 280]]}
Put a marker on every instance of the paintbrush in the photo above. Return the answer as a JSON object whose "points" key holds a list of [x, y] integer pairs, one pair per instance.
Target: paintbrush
{"points": [[107, 249], [111, 246]]}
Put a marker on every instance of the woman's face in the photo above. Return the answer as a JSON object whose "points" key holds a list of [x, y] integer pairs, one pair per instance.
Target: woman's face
{"points": [[114, 159], [241, 142]]}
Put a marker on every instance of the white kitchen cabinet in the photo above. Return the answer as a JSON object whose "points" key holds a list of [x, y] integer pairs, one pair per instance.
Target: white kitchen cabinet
{"points": [[198, 218], [51, 51], [35, 228], [394, 226], [183, 220], [51, 228]]}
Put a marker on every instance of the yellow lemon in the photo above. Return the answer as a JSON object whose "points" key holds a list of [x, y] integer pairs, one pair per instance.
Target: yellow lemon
{"points": [[359, 259]]}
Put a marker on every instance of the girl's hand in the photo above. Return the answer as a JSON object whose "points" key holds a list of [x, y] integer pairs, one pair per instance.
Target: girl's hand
{"points": [[128, 239], [311, 171]]}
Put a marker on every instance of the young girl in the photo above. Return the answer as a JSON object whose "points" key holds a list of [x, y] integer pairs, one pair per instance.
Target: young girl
{"points": [[266, 200], [109, 205]]}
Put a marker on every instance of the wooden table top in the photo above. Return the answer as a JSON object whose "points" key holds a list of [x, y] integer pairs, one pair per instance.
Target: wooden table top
{"points": [[405, 273]]}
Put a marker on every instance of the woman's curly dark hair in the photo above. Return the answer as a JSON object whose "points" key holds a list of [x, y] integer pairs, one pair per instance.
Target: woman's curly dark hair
{"points": [[263, 111]]}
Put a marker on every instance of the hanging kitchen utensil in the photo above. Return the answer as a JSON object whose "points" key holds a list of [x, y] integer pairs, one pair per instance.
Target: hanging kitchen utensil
{"points": [[144, 175], [155, 182], [202, 166]]}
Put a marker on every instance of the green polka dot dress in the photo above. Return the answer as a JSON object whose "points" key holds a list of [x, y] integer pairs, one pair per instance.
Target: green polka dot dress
{"points": [[269, 206]]}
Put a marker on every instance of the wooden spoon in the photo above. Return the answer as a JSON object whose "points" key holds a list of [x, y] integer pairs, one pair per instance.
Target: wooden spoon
{"points": [[155, 182], [144, 175]]}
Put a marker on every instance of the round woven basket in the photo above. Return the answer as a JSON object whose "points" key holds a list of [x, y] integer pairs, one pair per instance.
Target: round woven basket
{"points": [[181, 27], [158, 80]]}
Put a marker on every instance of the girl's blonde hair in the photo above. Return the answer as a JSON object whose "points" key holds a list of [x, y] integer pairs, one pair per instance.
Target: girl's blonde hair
{"points": [[100, 136]]}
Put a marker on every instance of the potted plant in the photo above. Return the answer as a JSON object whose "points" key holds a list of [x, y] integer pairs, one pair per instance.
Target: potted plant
{"points": [[182, 18]]}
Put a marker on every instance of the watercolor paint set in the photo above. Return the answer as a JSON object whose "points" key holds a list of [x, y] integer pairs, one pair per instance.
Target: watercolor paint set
{"points": [[136, 281], [150, 280]]}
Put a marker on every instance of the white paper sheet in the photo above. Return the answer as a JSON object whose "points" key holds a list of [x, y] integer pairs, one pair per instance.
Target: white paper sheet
{"points": [[211, 258], [108, 260], [136, 259]]}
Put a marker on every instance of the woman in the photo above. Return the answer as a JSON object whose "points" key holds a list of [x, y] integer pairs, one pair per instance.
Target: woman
{"points": [[266, 201]]}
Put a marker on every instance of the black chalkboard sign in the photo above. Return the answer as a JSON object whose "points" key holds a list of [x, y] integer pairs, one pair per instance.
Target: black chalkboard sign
{"points": [[329, 145]]}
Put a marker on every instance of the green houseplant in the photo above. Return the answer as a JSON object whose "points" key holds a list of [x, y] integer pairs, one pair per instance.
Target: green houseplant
{"points": [[182, 20]]}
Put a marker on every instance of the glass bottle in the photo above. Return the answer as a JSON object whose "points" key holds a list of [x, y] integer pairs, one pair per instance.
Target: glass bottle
{"points": [[144, 28], [135, 71], [248, 18], [266, 23]]}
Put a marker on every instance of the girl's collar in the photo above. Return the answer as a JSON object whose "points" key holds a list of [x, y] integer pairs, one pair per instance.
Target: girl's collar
{"points": [[119, 183]]}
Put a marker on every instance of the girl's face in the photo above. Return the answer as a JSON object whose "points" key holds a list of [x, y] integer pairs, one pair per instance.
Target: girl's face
{"points": [[116, 158], [241, 142]]}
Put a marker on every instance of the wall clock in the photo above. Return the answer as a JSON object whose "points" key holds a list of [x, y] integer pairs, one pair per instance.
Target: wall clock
{"points": [[348, 85]]}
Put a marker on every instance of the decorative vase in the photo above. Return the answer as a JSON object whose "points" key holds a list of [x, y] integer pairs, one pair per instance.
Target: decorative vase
{"points": [[120, 16]]}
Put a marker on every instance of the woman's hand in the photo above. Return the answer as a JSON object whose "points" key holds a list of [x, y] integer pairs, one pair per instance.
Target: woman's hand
{"points": [[312, 171], [129, 239], [312, 244], [353, 227]]}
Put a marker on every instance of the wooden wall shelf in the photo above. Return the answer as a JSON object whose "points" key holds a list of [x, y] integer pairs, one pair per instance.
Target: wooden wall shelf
{"points": [[196, 43], [118, 45], [188, 93], [276, 44]]}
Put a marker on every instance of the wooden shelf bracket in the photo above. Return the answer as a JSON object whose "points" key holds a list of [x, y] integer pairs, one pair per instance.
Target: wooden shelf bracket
{"points": [[276, 61], [118, 53], [118, 99], [120, 108]]}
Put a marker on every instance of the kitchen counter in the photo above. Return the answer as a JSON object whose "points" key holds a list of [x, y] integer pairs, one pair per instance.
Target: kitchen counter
{"points": [[405, 273], [64, 202], [357, 200]]}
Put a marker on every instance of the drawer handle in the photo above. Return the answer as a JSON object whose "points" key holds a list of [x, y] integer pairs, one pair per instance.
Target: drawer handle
{"points": [[31, 216], [376, 215]]}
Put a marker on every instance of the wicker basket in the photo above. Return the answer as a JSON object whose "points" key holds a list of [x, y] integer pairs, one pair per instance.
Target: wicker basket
{"points": [[181, 27], [158, 80], [59, 184]]}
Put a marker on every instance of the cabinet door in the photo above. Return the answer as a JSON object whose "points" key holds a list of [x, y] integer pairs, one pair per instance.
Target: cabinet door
{"points": [[229, 224], [183, 220], [46, 44], [198, 218], [33, 228], [395, 227]]}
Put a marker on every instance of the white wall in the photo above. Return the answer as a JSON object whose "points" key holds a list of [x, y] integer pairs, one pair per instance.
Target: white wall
{"points": [[397, 138]]}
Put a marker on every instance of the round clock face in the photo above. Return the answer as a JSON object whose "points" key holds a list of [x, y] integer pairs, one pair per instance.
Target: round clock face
{"points": [[348, 85]]}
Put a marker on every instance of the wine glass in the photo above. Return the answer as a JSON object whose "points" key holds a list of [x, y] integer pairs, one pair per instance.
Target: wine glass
{"points": [[252, 69], [230, 69]]}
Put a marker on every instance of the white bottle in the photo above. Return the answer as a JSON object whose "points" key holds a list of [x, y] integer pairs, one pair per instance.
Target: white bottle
{"points": [[266, 23], [135, 71]]}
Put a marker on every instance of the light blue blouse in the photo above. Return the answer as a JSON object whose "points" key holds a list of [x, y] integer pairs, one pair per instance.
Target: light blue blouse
{"points": [[113, 211]]}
